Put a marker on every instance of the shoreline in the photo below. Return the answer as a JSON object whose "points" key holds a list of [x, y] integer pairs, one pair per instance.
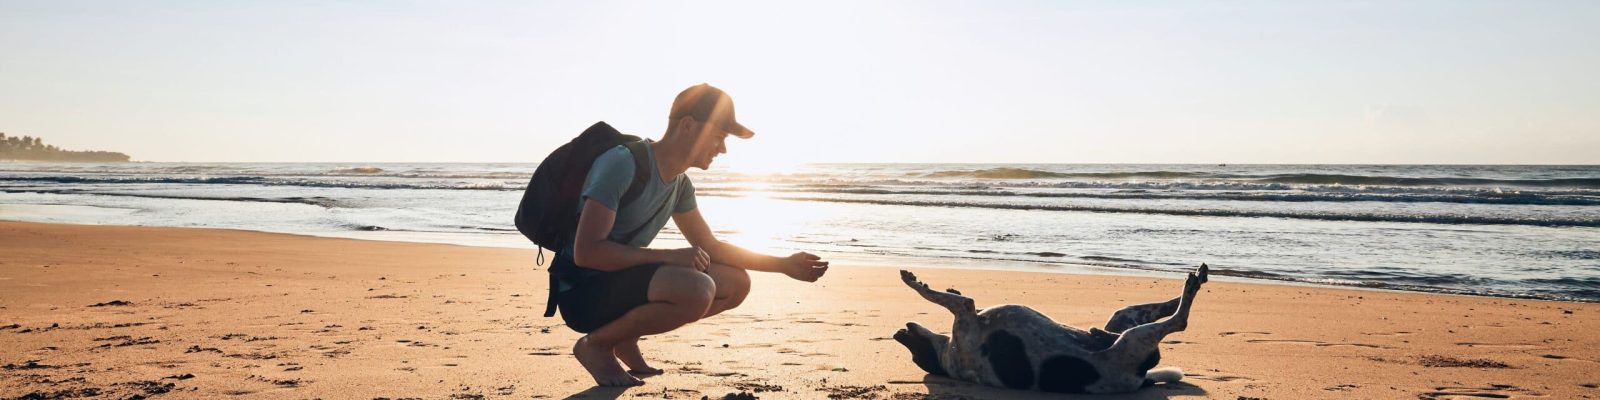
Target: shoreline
{"points": [[517, 242], [209, 313]]}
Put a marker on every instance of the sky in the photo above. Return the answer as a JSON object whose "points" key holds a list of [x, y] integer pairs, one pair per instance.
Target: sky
{"points": [[1393, 82]]}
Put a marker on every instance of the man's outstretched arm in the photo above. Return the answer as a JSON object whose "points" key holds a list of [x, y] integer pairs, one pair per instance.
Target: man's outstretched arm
{"points": [[803, 266]]}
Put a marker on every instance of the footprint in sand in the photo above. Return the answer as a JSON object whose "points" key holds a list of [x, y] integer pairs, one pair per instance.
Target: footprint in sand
{"points": [[1499, 345], [1400, 333], [1565, 358], [1218, 378], [1315, 343], [815, 340], [1226, 334], [547, 351], [1494, 391]]}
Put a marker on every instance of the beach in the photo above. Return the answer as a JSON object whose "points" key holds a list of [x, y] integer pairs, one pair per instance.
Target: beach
{"points": [[158, 312]]}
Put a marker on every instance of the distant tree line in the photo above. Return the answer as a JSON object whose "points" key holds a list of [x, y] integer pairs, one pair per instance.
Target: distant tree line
{"points": [[34, 149]]}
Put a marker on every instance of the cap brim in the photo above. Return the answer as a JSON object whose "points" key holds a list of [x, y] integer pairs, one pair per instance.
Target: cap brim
{"points": [[734, 128]]}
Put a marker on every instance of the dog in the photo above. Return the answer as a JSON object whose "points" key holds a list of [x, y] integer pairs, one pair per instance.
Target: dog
{"points": [[1015, 347]]}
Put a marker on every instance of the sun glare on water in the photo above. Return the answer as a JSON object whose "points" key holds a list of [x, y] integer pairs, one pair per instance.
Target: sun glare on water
{"points": [[763, 167]]}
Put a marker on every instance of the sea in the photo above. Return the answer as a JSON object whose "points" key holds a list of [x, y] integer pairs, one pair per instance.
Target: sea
{"points": [[1512, 231]]}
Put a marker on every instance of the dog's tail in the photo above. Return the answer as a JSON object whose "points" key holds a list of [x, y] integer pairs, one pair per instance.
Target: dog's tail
{"points": [[1163, 375]]}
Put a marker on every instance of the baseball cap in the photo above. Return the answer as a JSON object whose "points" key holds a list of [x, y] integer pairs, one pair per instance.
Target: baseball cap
{"points": [[708, 104]]}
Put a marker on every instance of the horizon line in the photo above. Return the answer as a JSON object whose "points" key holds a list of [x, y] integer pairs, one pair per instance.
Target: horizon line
{"points": [[830, 163]]}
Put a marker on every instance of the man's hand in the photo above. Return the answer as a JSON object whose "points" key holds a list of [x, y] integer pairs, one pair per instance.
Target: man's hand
{"points": [[804, 266], [692, 257]]}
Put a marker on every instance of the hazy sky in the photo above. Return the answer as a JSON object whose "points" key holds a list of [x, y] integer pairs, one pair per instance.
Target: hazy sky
{"points": [[858, 81]]}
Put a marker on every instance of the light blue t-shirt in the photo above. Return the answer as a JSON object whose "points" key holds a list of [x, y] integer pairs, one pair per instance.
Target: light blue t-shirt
{"points": [[609, 178]]}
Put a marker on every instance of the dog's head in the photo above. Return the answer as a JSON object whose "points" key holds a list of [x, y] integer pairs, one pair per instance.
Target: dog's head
{"points": [[924, 349]]}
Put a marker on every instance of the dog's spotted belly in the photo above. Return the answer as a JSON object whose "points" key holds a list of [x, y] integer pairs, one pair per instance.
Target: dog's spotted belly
{"points": [[1012, 361]]}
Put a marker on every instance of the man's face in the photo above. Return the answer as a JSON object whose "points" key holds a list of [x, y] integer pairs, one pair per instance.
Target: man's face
{"points": [[709, 143]]}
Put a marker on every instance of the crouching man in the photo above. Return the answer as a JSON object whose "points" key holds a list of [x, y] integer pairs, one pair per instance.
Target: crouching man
{"points": [[615, 289]]}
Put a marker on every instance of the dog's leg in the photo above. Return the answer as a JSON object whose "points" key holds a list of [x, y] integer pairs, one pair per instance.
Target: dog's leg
{"points": [[1141, 314], [959, 305], [1139, 342], [956, 364]]}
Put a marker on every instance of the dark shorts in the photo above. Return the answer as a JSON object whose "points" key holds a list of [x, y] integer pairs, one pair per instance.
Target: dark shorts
{"points": [[597, 300]]}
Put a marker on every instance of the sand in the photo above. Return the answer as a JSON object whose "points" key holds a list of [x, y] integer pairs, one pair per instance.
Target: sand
{"points": [[118, 312]]}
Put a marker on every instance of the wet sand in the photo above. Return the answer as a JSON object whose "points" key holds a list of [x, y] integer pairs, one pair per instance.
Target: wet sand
{"points": [[115, 312]]}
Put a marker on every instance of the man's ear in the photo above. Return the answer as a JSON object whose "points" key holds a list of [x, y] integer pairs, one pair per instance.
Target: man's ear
{"points": [[686, 127]]}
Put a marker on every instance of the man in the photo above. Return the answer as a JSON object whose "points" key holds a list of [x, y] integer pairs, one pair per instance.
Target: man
{"points": [[613, 288]]}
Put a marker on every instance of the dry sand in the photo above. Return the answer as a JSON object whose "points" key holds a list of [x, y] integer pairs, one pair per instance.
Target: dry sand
{"points": [[202, 313]]}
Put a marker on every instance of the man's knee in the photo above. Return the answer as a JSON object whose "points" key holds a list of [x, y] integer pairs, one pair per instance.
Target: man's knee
{"points": [[683, 286], [733, 285]]}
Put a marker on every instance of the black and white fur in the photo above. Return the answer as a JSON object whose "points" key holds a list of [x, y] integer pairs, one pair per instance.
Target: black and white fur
{"points": [[1016, 347]]}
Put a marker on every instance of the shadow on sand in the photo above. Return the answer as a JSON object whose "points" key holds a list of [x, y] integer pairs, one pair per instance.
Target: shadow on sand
{"points": [[945, 388], [600, 393]]}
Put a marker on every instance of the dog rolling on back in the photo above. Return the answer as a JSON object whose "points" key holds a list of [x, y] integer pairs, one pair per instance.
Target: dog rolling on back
{"points": [[1016, 347]]}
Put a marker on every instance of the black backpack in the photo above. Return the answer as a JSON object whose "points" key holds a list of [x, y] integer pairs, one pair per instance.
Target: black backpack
{"points": [[548, 215]]}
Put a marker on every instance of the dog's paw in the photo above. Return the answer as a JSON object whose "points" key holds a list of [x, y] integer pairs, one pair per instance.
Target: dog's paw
{"points": [[911, 280], [1192, 284]]}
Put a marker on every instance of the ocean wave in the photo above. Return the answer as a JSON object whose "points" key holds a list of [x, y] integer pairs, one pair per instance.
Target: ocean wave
{"points": [[1172, 185], [1325, 216], [1456, 196], [81, 179], [311, 200], [1026, 173], [1559, 289], [1336, 179], [993, 173], [358, 170], [1573, 254], [1011, 173], [270, 181], [205, 171]]}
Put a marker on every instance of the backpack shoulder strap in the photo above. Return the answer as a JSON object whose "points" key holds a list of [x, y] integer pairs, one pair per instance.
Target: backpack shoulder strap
{"points": [[641, 172]]}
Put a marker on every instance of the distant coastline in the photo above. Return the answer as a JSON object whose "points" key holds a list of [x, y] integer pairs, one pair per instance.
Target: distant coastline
{"points": [[29, 148]]}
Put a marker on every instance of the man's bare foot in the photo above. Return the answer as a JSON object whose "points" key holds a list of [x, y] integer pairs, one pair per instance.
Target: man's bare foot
{"points": [[602, 365], [628, 351]]}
